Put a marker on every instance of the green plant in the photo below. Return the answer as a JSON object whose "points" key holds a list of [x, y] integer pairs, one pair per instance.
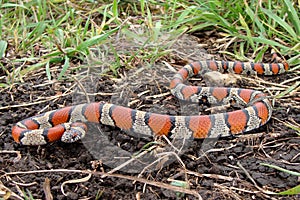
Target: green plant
{"points": [[293, 191]]}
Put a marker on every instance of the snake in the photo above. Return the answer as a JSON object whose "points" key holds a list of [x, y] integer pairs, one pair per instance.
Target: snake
{"points": [[68, 124]]}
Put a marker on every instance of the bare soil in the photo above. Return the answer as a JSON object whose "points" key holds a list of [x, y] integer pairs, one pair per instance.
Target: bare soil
{"points": [[226, 168]]}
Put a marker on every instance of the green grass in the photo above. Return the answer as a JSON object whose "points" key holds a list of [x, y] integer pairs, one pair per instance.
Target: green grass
{"points": [[292, 191], [64, 32]]}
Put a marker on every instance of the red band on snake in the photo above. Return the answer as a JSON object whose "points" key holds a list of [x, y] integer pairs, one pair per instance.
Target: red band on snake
{"points": [[67, 124]]}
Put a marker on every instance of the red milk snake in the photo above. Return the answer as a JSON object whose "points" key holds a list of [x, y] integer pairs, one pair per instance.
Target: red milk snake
{"points": [[66, 124]]}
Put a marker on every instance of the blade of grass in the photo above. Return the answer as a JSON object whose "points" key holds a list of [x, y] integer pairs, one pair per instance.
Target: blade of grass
{"points": [[3, 85], [13, 5], [293, 191], [294, 127], [41, 10], [281, 169], [179, 183], [86, 26], [35, 34], [281, 22], [69, 51], [296, 48], [48, 73], [293, 16], [59, 22], [41, 64], [254, 18], [64, 68], [3, 46], [149, 18], [288, 90], [295, 60], [157, 31], [183, 18], [259, 56], [220, 21], [95, 40], [142, 6], [115, 9], [201, 26], [103, 23], [267, 41], [248, 31]]}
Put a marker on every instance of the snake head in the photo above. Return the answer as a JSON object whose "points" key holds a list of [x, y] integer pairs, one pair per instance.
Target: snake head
{"points": [[76, 132]]}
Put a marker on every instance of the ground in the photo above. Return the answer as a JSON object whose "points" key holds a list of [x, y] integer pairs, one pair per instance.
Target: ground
{"points": [[225, 168]]}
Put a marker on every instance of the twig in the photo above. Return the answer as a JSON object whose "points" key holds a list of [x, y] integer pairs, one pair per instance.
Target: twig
{"points": [[129, 161], [80, 180], [142, 180], [6, 193], [252, 180], [16, 159], [34, 103], [213, 176]]}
